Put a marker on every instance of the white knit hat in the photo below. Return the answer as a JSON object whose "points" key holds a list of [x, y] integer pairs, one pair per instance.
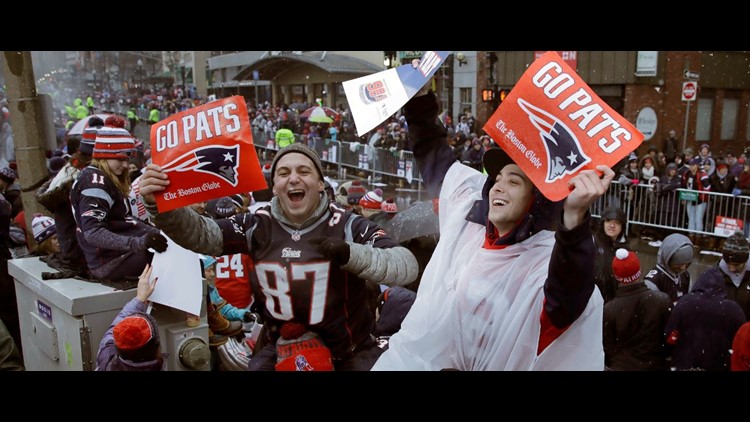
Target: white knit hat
{"points": [[372, 199], [42, 227]]}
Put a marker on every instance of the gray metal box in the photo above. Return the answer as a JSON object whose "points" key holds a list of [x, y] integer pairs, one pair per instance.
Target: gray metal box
{"points": [[63, 321]]}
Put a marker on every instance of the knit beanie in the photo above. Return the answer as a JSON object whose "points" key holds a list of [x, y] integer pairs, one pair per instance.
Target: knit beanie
{"points": [[355, 192], [736, 249], [56, 164], [389, 206], [237, 200], [8, 175], [372, 200], [113, 142], [88, 138], [225, 208], [302, 149], [626, 266], [136, 337], [42, 227], [301, 350]]}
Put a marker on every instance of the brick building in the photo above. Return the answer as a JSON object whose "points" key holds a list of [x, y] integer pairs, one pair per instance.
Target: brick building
{"points": [[631, 81]]}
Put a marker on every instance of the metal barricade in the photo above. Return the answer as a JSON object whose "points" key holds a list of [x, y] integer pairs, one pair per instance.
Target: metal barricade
{"points": [[645, 206]]}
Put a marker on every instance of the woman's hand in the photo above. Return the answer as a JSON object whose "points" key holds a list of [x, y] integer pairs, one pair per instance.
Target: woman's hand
{"points": [[145, 285]]}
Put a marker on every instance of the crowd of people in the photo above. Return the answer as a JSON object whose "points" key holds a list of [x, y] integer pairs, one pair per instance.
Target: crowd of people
{"points": [[516, 281]]}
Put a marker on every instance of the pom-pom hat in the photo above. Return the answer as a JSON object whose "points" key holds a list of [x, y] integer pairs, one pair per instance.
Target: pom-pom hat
{"points": [[42, 227], [8, 175], [301, 350], [736, 249], [372, 200], [113, 143], [626, 266], [136, 337], [389, 206]]}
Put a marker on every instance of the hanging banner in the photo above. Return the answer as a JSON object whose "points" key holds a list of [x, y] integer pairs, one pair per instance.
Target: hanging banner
{"points": [[374, 98], [554, 126], [208, 153]]}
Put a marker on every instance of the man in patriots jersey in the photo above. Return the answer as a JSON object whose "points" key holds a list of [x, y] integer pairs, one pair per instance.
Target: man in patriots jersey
{"points": [[502, 290], [312, 258]]}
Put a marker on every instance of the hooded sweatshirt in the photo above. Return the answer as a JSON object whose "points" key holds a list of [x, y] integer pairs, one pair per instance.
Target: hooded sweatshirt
{"points": [[703, 324], [661, 276]]}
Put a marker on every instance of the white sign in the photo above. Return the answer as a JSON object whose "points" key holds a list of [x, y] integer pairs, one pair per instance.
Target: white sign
{"points": [[691, 75], [689, 91], [180, 284], [725, 226], [646, 63], [646, 122]]}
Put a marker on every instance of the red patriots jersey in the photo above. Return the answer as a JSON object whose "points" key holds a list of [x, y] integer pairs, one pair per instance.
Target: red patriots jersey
{"points": [[233, 279]]}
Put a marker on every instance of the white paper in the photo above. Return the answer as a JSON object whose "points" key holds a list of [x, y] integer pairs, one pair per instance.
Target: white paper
{"points": [[368, 110], [180, 283]]}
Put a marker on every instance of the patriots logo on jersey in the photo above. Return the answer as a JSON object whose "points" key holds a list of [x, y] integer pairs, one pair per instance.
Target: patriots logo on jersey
{"points": [[218, 160], [98, 214], [564, 153]]}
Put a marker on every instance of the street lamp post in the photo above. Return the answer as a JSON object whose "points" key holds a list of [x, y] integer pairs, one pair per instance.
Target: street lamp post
{"points": [[140, 73], [182, 76]]}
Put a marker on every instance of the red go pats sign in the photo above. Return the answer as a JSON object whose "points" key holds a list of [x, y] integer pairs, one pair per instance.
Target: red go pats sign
{"points": [[208, 153], [554, 126]]}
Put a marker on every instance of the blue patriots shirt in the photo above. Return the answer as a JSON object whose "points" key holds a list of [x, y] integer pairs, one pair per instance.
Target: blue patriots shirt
{"points": [[292, 281]]}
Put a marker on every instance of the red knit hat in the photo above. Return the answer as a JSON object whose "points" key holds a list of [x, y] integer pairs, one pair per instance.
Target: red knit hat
{"points": [[136, 337], [113, 142], [389, 206], [301, 350], [626, 266], [372, 200]]}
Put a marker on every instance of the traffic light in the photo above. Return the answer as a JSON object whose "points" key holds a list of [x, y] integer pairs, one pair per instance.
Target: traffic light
{"points": [[488, 95], [502, 94]]}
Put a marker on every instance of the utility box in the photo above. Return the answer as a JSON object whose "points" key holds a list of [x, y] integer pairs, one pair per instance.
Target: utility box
{"points": [[63, 321]]}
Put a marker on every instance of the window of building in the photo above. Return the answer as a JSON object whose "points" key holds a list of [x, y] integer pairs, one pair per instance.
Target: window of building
{"points": [[729, 113], [298, 93], [466, 99], [703, 124]]}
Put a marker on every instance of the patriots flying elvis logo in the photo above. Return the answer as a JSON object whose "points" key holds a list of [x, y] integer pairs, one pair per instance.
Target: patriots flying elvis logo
{"points": [[219, 160], [564, 153]]}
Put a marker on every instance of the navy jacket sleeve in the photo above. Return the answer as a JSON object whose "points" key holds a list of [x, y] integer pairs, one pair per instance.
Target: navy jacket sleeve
{"points": [[570, 282], [428, 141]]}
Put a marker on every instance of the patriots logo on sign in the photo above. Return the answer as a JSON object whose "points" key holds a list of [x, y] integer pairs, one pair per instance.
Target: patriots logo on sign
{"points": [[564, 153], [219, 160]]}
